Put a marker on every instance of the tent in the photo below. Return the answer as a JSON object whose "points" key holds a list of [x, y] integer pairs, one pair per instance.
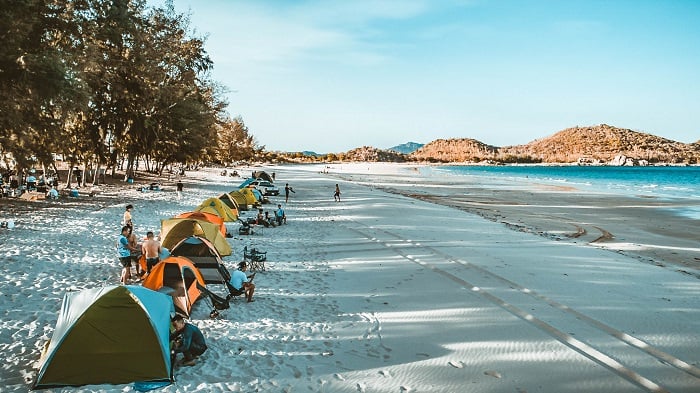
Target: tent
{"points": [[217, 206], [228, 200], [258, 195], [180, 274], [244, 197], [110, 335], [246, 182], [204, 216], [173, 230], [204, 256], [263, 175]]}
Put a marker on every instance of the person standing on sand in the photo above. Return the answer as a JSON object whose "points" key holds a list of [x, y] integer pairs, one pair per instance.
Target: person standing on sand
{"points": [[127, 220], [180, 186], [151, 250], [287, 189], [336, 195], [124, 254]]}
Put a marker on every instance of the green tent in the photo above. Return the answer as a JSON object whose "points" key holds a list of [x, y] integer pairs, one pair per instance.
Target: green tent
{"points": [[110, 335]]}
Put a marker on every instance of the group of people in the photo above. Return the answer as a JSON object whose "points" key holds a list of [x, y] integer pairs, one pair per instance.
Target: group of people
{"points": [[130, 251], [264, 218]]}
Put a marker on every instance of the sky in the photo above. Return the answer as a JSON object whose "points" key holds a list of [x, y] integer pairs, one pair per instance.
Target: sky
{"points": [[330, 76]]}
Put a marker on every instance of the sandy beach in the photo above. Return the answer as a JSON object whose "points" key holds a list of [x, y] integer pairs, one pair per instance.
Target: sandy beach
{"points": [[408, 284]]}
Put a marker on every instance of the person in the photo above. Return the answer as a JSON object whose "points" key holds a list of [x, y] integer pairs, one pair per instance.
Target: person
{"points": [[151, 250], [279, 214], [336, 195], [273, 176], [287, 190], [188, 340], [135, 250], [269, 220], [243, 283], [52, 193], [78, 176], [31, 182], [124, 254], [180, 186], [127, 220], [261, 219]]}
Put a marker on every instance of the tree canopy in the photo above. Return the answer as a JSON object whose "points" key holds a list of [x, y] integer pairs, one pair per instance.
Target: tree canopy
{"points": [[105, 83]]}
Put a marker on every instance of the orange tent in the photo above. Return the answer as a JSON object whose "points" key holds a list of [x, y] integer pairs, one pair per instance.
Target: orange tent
{"points": [[178, 277], [213, 218]]}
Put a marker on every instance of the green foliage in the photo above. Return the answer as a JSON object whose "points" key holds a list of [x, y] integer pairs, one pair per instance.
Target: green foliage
{"points": [[97, 80]]}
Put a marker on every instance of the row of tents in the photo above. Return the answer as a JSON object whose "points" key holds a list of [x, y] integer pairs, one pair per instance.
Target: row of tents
{"points": [[94, 341]]}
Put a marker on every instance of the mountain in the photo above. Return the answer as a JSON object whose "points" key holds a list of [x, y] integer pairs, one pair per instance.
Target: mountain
{"points": [[455, 150], [406, 148], [368, 153], [600, 143]]}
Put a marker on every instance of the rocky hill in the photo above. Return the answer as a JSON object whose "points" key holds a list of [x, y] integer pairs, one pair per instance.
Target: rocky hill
{"points": [[455, 150], [594, 144], [368, 153]]}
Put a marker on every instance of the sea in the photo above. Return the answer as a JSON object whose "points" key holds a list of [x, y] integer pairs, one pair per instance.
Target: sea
{"points": [[673, 183]]}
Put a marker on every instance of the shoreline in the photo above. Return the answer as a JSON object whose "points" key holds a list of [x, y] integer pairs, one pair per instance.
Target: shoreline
{"points": [[644, 227]]}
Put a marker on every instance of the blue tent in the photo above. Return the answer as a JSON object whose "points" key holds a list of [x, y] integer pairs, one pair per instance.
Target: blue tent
{"points": [[110, 335], [246, 182]]}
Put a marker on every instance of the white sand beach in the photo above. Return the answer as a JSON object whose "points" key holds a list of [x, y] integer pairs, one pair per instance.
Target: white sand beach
{"points": [[386, 292]]}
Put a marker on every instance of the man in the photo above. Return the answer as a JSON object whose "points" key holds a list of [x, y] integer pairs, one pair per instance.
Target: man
{"points": [[151, 250], [188, 340], [243, 283], [336, 195], [127, 219], [279, 214], [287, 189], [180, 186], [124, 253]]}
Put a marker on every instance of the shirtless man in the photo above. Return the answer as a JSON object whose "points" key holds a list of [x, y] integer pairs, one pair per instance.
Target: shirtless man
{"points": [[151, 251]]}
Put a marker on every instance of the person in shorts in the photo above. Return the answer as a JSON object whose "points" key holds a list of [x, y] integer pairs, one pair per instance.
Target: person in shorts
{"points": [[124, 254]]}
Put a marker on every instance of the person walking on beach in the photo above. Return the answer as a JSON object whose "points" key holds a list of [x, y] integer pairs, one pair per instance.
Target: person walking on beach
{"points": [[124, 254], [188, 340], [287, 189], [151, 250], [336, 195]]}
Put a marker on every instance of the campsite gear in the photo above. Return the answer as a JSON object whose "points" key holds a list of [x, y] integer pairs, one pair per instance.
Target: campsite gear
{"points": [[203, 255], [215, 301], [95, 342], [244, 229], [173, 230], [216, 206], [180, 274], [257, 258]]}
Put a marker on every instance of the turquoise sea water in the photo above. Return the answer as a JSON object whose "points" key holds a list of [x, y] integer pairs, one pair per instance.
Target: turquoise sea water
{"points": [[662, 182]]}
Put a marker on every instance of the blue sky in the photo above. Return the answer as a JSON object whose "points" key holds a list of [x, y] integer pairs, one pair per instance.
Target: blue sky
{"points": [[329, 76]]}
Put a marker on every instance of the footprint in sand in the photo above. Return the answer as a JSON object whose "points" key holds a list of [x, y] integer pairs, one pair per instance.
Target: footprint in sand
{"points": [[339, 377], [456, 364], [361, 387], [385, 374]]}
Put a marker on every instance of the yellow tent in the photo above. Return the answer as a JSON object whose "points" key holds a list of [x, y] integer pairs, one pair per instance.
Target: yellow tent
{"points": [[217, 206], [244, 196], [228, 200], [173, 230]]}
